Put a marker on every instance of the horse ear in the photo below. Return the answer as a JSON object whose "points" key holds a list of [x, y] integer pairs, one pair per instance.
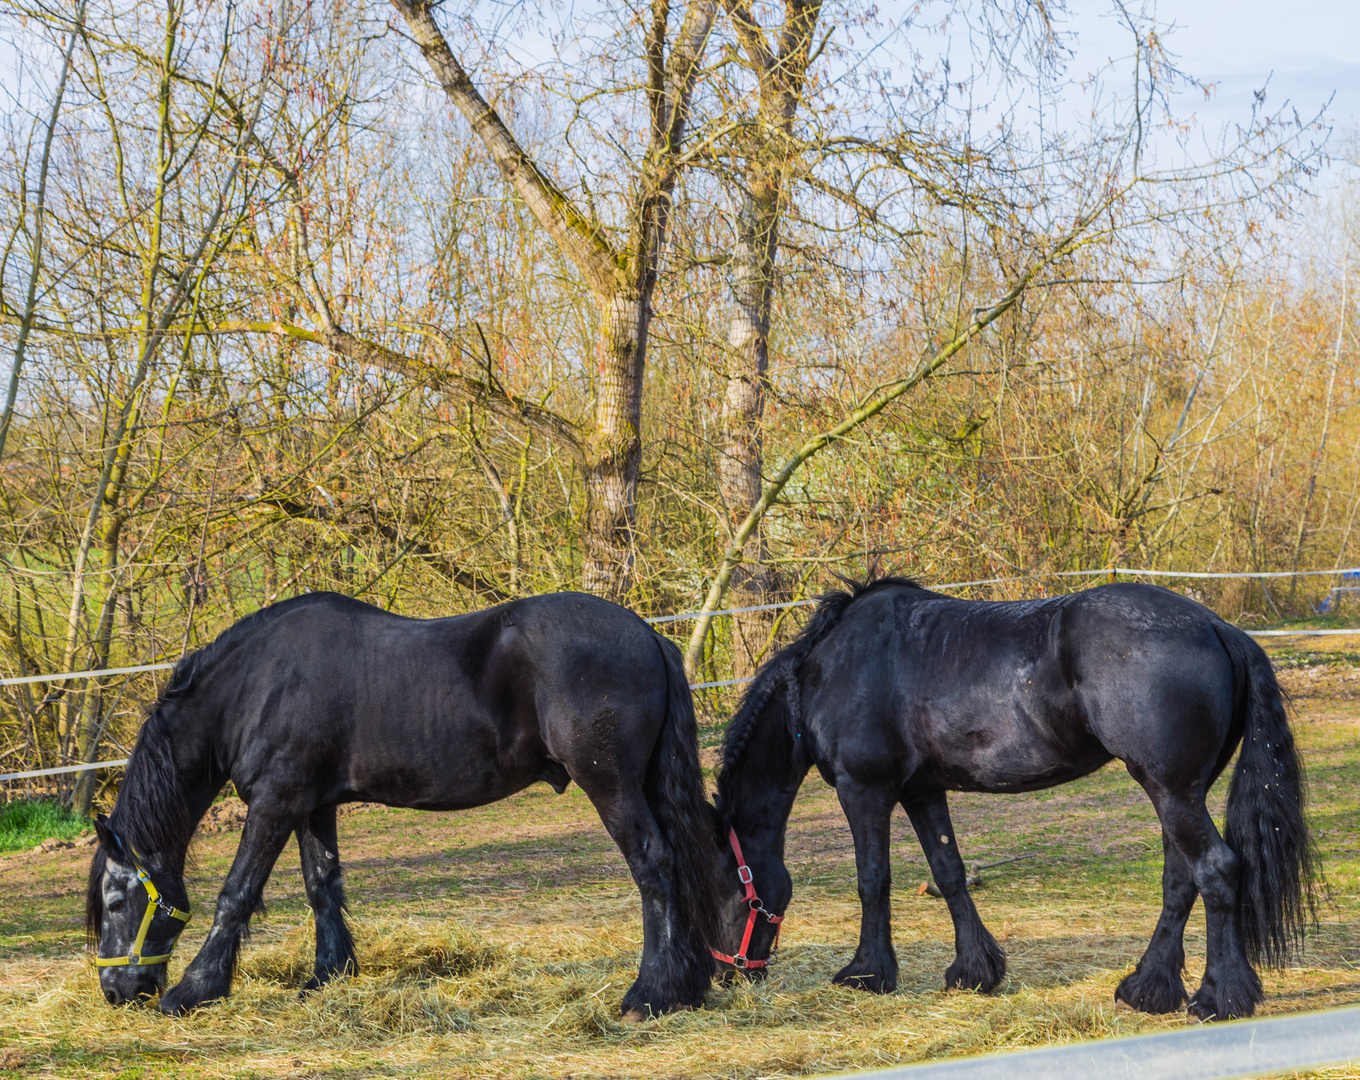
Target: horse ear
{"points": [[108, 839]]}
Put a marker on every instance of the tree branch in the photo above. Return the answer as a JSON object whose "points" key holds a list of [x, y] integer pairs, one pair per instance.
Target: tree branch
{"points": [[494, 399], [372, 525], [871, 406], [582, 241]]}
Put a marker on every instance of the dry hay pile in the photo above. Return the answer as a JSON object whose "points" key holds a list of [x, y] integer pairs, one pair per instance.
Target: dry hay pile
{"points": [[438, 999]]}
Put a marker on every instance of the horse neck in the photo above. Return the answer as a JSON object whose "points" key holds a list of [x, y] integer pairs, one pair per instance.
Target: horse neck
{"points": [[165, 793], [759, 788]]}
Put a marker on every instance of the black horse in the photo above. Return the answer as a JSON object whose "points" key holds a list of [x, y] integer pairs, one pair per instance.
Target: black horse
{"points": [[322, 700], [899, 695]]}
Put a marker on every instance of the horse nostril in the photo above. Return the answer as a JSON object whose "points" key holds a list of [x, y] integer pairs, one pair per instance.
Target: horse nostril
{"points": [[111, 996]]}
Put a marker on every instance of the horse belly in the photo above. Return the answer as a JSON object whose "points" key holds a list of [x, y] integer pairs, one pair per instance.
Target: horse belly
{"points": [[1028, 743], [1005, 773], [442, 764]]}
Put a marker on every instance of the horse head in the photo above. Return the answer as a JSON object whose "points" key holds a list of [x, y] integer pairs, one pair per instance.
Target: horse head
{"points": [[754, 892], [135, 909]]}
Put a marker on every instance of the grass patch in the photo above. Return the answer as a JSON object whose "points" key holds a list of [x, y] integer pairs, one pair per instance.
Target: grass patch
{"points": [[26, 822]]}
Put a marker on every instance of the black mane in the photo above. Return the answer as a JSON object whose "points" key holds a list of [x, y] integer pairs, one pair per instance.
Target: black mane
{"points": [[780, 671], [151, 815]]}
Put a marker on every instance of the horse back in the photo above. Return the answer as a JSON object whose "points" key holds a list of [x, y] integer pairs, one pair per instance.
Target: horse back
{"points": [[338, 700], [1011, 696]]}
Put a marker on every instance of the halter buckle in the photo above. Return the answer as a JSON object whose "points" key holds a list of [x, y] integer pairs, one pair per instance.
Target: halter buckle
{"points": [[744, 875]]}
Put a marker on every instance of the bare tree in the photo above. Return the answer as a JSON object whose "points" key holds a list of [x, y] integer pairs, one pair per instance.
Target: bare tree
{"points": [[621, 274]]}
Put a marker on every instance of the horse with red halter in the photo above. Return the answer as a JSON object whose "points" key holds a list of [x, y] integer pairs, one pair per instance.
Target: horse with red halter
{"points": [[323, 700], [899, 695]]}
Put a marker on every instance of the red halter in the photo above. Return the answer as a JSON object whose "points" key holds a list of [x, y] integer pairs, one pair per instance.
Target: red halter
{"points": [[745, 876]]}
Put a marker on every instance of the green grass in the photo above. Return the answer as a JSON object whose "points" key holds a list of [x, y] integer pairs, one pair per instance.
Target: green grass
{"points": [[27, 822], [1345, 617]]}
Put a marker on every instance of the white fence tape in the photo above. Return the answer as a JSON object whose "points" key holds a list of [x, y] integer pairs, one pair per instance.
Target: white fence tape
{"points": [[64, 769], [1208, 1052], [1102, 572], [1302, 633], [22, 679], [1127, 571], [656, 620]]}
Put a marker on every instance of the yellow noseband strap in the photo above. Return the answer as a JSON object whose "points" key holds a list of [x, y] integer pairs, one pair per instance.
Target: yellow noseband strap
{"points": [[135, 957]]}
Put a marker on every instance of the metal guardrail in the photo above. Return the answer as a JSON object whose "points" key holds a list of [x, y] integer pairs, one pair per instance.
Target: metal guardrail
{"points": [[1207, 1052]]}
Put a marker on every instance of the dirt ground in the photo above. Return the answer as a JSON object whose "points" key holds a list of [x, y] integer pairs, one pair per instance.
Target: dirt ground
{"points": [[498, 942]]}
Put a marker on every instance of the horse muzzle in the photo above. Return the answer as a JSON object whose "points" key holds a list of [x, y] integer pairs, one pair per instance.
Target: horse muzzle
{"points": [[128, 986]]}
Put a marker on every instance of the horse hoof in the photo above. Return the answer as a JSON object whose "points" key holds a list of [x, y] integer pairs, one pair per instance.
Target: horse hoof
{"points": [[175, 1007], [1151, 991], [641, 1016], [869, 981], [1231, 995], [1207, 1013]]}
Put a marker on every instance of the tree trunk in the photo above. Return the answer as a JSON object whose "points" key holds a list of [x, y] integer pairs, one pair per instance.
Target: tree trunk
{"points": [[615, 450], [92, 724], [622, 281], [741, 457], [782, 70]]}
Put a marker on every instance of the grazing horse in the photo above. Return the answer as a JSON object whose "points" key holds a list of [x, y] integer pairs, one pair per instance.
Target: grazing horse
{"points": [[322, 700], [899, 695]]}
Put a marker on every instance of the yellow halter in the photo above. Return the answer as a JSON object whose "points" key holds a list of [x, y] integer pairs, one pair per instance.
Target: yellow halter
{"points": [[135, 958]]}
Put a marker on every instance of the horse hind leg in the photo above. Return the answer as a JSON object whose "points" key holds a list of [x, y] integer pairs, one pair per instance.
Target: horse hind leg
{"points": [[672, 975], [1154, 985], [321, 874], [1230, 987], [979, 963]]}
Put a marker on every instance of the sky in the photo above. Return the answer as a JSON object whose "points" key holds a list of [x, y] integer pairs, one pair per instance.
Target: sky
{"points": [[1302, 51]]}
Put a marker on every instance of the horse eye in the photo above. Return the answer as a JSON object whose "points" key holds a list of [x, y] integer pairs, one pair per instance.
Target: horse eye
{"points": [[116, 905]]}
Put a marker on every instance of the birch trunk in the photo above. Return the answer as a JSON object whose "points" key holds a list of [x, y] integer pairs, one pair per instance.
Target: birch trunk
{"points": [[782, 73]]}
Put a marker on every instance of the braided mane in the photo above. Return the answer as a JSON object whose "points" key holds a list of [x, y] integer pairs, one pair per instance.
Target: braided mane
{"points": [[780, 671]]}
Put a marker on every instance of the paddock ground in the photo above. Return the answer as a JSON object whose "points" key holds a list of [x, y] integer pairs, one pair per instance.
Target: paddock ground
{"points": [[499, 942]]}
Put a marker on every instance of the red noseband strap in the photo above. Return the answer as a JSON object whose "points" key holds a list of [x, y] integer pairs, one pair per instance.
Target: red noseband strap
{"points": [[747, 880]]}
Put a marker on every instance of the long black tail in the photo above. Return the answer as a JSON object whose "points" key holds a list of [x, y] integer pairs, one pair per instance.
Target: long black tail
{"points": [[674, 789], [1266, 825]]}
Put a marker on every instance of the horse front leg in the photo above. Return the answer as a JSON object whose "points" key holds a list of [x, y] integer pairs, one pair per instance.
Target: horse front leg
{"points": [[208, 976], [869, 811], [321, 874], [979, 963], [1155, 985]]}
